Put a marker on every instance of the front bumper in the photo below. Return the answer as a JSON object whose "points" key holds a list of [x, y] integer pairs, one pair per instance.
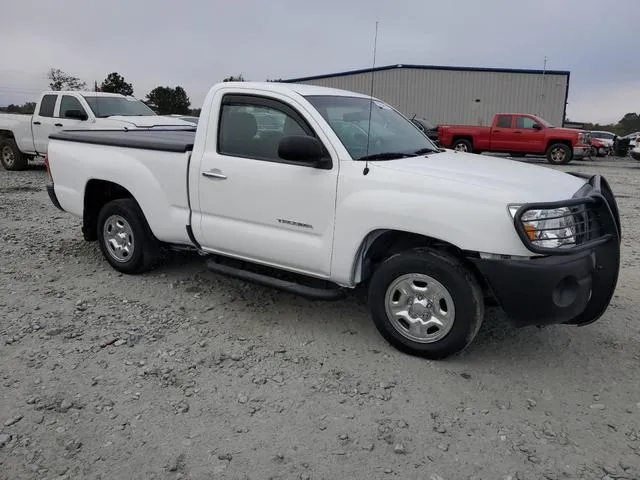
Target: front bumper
{"points": [[572, 286], [580, 151]]}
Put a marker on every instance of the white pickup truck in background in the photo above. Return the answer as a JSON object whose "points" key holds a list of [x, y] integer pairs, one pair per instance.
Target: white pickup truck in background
{"points": [[23, 137], [321, 192]]}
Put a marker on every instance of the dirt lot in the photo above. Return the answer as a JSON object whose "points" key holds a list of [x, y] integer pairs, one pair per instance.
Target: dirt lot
{"points": [[183, 374]]}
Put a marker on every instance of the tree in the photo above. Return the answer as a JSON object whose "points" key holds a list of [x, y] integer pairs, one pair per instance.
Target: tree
{"points": [[167, 100], [231, 78], [114, 83], [63, 81], [28, 108], [195, 112]]}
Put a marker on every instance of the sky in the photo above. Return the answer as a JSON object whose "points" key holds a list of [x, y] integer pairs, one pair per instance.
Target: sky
{"points": [[196, 43]]}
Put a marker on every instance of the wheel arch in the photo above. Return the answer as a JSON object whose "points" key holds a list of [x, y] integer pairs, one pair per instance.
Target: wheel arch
{"points": [[468, 138], [97, 194], [6, 134], [380, 244]]}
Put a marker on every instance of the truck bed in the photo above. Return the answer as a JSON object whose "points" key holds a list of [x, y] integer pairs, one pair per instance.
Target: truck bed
{"points": [[180, 140]]}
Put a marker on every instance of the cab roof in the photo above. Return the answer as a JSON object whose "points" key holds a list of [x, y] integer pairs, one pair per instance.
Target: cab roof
{"points": [[300, 89]]}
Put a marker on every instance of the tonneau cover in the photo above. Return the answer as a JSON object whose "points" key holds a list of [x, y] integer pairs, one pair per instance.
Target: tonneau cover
{"points": [[178, 140]]}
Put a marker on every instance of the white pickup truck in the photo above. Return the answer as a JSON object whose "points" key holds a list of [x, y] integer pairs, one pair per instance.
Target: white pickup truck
{"points": [[23, 137], [292, 186]]}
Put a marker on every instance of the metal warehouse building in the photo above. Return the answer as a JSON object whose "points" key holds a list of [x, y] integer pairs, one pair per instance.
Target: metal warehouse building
{"points": [[458, 94]]}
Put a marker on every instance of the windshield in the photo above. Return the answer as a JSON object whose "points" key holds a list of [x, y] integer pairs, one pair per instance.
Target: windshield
{"points": [[103, 106], [390, 134], [603, 135], [543, 122]]}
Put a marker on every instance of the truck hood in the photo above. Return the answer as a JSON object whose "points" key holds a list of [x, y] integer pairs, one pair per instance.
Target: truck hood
{"points": [[501, 178], [566, 131], [142, 121]]}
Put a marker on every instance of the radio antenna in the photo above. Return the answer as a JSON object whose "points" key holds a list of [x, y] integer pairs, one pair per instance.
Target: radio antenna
{"points": [[373, 71]]}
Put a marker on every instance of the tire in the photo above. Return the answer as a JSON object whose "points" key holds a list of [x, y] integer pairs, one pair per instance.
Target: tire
{"points": [[125, 217], [463, 145], [10, 155], [462, 296], [559, 154]]}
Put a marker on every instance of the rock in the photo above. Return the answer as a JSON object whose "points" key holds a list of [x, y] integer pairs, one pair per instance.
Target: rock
{"points": [[119, 343], [533, 459], [225, 456], [242, 399], [597, 406], [305, 476], [13, 420], [399, 449], [177, 464], [65, 405], [440, 429], [402, 424], [4, 439], [73, 445], [435, 476], [444, 447], [624, 465], [531, 403], [388, 470], [39, 419], [236, 357], [610, 470], [344, 437], [52, 332], [368, 447]]}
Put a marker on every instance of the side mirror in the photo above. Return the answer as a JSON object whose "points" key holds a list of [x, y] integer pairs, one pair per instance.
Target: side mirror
{"points": [[76, 115], [304, 150], [537, 126]]}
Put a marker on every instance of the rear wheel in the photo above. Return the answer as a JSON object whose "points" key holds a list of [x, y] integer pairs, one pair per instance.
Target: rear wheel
{"points": [[10, 155], [462, 145], [426, 303], [559, 154], [125, 239]]}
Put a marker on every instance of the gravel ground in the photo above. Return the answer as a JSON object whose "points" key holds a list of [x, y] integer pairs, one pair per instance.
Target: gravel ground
{"points": [[180, 373]]}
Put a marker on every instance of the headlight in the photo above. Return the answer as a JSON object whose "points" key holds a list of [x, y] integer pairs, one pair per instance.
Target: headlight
{"points": [[552, 228]]}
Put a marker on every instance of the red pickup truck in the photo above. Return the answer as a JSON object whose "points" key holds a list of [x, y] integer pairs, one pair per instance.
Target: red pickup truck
{"points": [[517, 134]]}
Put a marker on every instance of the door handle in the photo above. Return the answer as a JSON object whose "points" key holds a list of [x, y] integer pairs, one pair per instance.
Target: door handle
{"points": [[497, 131], [36, 123], [517, 131], [58, 125], [215, 173]]}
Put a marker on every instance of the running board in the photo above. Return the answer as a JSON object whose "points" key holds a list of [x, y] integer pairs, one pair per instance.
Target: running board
{"points": [[309, 292]]}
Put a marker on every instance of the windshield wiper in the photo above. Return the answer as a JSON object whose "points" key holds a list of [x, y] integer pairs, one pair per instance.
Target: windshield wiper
{"points": [[422, 151], [386, 156]]}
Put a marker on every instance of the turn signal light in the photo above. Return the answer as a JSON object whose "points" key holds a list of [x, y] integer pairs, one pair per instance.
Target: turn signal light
{"points": [[530, 230]]}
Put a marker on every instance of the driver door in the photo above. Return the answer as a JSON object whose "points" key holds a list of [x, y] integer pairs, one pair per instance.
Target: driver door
{"points": [[255, 205]]}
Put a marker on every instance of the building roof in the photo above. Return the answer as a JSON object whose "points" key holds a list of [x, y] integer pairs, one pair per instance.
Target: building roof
{"points": [[430, 67]]}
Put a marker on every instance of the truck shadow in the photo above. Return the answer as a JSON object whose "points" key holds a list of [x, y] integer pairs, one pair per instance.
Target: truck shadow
{"points": [[497, 341]]}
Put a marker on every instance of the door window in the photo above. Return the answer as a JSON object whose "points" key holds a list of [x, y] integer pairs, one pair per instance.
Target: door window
{"points": [[69, 103], [525, 122], [47, 105], [254, 130], [504, 121]]}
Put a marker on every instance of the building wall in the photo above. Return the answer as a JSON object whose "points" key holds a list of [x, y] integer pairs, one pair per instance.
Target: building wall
{"points": [[449, 96]]}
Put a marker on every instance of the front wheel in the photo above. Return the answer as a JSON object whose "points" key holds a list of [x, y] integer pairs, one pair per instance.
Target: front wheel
{"points": [[426, 303], [125, 239], [559, 154]]}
